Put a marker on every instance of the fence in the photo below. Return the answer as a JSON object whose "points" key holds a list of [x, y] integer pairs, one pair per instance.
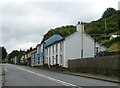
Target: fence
{"points": [[108, 65]]}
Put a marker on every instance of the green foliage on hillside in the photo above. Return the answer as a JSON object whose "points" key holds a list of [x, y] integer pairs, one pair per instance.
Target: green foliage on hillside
{"points": [[63, 31], [100, 30], [103, 28]]}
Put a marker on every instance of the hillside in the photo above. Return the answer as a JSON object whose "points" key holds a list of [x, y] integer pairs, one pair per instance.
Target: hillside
{"points": [[63, 31], [104, 27], [100, 30], [114, 47]]}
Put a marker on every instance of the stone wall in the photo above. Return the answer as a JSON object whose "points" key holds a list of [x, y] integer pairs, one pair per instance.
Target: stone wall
{"points": [[108, 65]]}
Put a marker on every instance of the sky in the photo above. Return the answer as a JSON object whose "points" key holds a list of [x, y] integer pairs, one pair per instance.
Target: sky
{"points": [[24, 22]]}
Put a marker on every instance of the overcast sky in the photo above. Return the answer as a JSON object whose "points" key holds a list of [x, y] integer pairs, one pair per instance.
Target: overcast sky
{"points": [[24, 22]]}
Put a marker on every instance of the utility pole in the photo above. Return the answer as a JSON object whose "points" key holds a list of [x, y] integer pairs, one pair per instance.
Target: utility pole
{"points": [[105, 28], [105, 25]]}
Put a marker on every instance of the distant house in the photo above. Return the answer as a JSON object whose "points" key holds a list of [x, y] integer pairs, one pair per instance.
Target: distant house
{"points": [[58, 50], [25, 58], [38, 55], [22, 59], [18, 57], [29, 55], [114, 36], [13, 60], [34, 58]]}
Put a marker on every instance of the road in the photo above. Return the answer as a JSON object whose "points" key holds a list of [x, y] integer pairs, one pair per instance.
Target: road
{"points": [[27, 76]]}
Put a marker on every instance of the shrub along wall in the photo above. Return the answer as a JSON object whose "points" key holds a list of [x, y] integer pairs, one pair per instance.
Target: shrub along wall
{"points": [[107, 65]]}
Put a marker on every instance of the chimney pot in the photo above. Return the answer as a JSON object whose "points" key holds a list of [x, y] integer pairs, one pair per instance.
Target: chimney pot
{"points": [[81, 22], [78, 22], [80, 27]]}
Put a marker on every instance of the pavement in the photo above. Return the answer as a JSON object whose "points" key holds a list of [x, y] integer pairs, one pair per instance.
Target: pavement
{"points": [[93, 76], [27, 76]]}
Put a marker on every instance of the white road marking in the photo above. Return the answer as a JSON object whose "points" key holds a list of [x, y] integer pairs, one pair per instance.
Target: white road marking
{"points": [[6, 70], [50, 78]]}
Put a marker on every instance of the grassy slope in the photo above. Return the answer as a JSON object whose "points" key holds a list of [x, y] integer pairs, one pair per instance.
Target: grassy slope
{"points": [[114, 47]]}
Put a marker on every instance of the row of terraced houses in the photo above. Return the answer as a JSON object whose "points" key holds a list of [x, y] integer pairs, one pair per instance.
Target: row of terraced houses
{"points": [[57, 50]]}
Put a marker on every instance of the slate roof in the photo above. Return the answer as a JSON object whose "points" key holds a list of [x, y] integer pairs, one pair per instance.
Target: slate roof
{"points": [[52, 39], [55, 42]]}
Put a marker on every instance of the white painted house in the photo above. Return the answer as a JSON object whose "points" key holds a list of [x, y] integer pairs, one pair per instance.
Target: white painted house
{"points": [[54, 53], [77, 45]]}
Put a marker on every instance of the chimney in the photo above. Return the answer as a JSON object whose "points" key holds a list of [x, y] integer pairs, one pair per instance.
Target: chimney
{"points": [[80, 27]]}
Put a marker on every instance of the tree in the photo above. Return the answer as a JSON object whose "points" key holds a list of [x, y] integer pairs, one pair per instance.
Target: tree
{"points": [[0, 54], [4, 53], [119, 22], [109, 12], [13, 53]]}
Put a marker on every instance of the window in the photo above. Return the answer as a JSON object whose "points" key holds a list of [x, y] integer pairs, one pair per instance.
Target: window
{"points": [[49, 61], [46, 60], [49, 50], [38, 60], [53, 49], [53, 59], [56, 59], [34, 60], [60, 47], [56, 48], [96, 54], [96, 49], [61, 59]]}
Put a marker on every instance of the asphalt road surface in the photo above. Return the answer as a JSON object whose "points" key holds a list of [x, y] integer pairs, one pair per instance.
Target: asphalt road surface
{"points": [[27, 76]]}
